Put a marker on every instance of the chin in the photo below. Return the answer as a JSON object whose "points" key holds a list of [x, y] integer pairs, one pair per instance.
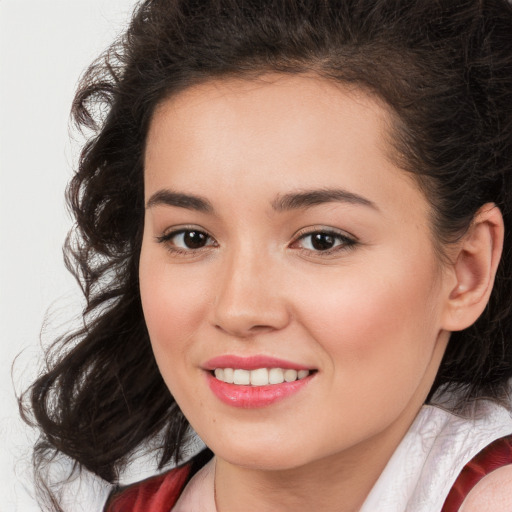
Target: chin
{"points": [[261, 453], [275, 461]]}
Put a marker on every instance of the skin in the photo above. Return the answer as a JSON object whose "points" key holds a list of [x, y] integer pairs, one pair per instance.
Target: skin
{"points": [[492, 494], [372, 317]]}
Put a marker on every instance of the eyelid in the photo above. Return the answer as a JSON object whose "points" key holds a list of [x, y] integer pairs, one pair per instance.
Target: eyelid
{"points": [[348, 240], [323, 229], [171, 232]]}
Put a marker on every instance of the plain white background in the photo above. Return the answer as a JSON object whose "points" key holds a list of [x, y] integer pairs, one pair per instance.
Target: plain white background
{"points": [[44, 48]]}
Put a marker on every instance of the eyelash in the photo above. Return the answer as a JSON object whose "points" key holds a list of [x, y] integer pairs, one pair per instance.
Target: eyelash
{"points": [[345, 242], [167, 237]]}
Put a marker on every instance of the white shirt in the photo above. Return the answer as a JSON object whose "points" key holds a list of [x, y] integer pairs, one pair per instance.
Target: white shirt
{"points": [[426, 463]]}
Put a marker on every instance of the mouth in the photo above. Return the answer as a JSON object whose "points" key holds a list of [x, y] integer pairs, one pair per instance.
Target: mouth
{"points": [[254, 382], [259, 376]]}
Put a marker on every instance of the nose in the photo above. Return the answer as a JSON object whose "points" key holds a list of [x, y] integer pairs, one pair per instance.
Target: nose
{"points": [[250, 298]]}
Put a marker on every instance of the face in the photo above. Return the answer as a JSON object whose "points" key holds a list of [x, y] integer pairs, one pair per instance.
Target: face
{"points": [[281, 244]]}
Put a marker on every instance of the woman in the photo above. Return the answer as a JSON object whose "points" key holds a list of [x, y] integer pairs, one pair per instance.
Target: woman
{"points": [[290, 228]]}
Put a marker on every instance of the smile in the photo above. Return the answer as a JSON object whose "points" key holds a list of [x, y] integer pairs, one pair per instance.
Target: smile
{"points": [[259, 376], [255, 381]]}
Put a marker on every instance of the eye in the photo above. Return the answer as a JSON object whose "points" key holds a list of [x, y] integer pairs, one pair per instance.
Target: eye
{"points": [[186, 240], [323, 241]]}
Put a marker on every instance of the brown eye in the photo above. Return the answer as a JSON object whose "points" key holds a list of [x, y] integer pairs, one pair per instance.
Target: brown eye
{"points": [[187, 240], [324, 241], [194, 239]]}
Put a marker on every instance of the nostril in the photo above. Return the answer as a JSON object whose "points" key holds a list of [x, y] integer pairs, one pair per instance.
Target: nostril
{"points": [[259, 328], [244, 330]]}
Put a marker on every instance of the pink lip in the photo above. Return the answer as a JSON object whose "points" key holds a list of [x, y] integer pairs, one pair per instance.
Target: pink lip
{"points": [[249, 397], [251, 363]]}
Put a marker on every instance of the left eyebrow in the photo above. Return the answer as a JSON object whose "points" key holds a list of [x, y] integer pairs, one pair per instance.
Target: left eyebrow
{"points": [[307, 198], [168, 197]]}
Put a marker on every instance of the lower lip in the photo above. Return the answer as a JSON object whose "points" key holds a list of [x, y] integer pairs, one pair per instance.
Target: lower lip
{"points": [[250, 397]]}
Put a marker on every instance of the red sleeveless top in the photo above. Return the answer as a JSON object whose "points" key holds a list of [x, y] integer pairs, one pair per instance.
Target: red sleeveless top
{"points": [[160, 493]]}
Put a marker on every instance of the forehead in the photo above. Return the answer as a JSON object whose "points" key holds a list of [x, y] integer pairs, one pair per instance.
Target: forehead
{"points": [[277, 133], [257, 103]]}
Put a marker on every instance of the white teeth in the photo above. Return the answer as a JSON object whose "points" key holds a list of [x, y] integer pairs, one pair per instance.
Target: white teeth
{"points": [[301, 374], [275, 376], [229, 375], [242, 377], [290, 375], [259, 377]]}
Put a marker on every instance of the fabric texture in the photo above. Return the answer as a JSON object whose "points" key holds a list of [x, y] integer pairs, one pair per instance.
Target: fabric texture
{"points": [[494, 456], [432, 454], [156, 494]]}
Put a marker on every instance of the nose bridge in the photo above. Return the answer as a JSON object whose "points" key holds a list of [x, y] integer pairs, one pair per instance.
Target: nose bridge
{"points": [[248, 299]]}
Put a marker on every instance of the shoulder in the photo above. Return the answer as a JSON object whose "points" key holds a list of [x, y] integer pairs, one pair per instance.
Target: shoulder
{"points": [[493, 493], [155, 494], [485, 480]]}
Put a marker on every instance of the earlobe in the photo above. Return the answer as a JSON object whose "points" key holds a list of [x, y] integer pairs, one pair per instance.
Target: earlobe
{"points": [[475, 264]]}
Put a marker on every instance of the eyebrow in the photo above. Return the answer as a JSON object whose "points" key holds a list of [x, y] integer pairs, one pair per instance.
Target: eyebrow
{"points": [[169, 198], [298, 200], [286, 202]]}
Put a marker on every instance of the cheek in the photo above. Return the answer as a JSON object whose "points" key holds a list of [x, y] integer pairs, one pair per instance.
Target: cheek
{"points": [[172, 307], [371, 301], [377, 326], [173, 301]]}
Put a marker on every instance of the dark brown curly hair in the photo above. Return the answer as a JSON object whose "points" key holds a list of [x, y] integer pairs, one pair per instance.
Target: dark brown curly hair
{"points": [[444, 67]]}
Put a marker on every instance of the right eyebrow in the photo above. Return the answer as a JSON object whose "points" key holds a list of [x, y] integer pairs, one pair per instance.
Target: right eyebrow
{"points": [[308, 198], [167, 197]]}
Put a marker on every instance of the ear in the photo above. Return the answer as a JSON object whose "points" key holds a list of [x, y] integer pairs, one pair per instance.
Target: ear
{"points": [[474, 269]]}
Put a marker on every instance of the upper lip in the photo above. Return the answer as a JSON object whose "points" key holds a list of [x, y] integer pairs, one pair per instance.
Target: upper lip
{"points": [[251, 363]]}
